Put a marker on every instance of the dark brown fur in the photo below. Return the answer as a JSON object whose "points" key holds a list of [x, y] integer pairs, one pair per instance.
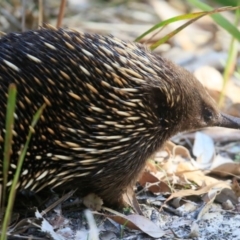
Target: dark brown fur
{"points": [[110, 105]]}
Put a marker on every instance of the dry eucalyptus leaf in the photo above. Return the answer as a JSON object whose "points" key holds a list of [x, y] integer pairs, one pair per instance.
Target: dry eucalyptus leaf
{"points": [[225, 195], [205, 189], [181, 151], [226, 169], [159, 186], [192, 173], [236, 187], [136, 222], [129, 199], [203, 149]]}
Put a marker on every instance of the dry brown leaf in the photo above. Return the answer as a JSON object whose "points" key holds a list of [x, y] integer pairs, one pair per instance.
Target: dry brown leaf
{"points": [[191, 173], [136, 222], [169, 146], [129, 199], [211, 195], [236, 187], [181, 151], [184, 193], [225, 195], [177, 150], [227, 169], [159, 186]]}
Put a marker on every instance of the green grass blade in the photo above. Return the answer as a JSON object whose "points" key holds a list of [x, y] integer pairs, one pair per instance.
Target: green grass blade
{"points": [[231, 60], [18, 171], [167, 22], [171, 34], [192, 16], [196, 17], [9, 126], [11, 104], [220, 20]]}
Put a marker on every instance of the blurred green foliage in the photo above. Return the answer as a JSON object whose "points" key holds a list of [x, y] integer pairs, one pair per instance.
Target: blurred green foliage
{"points": [[227, 2]]}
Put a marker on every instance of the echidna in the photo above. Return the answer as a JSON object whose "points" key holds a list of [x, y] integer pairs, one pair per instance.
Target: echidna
{"points": [[110, 105]]}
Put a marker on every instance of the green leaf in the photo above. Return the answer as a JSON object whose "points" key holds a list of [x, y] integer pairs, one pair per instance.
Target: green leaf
{"points": [[219, 19]]}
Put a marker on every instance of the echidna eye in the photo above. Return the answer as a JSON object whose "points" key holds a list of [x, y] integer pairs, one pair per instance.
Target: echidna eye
{"points": [[207, 114]]}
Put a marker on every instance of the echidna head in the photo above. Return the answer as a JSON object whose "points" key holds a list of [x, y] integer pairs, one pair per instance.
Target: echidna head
{"points": [[184, 101]]}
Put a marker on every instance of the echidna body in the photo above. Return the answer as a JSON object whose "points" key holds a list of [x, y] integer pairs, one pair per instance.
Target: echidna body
{"points": [[110, 105]]}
